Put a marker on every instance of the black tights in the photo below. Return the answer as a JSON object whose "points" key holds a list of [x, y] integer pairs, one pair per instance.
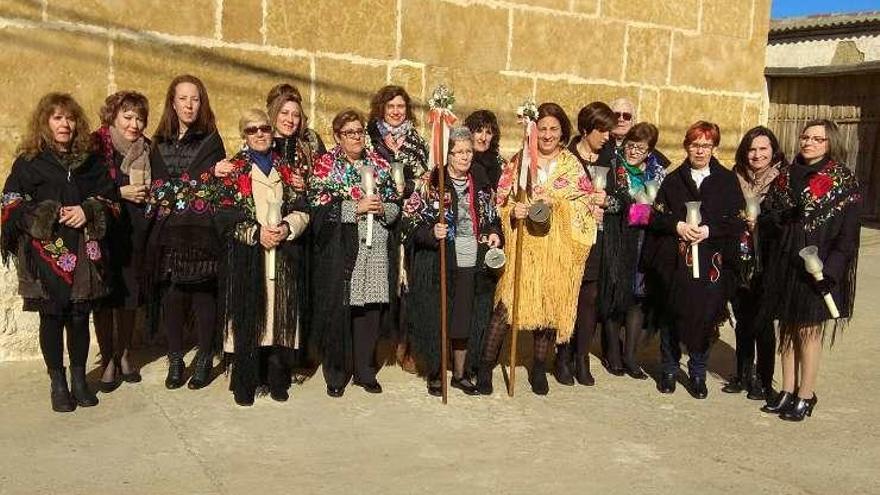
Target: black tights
{"points": [[201, 300], [498, 329], [114, 337], [586, 320], [633, 322], [52, 340]]}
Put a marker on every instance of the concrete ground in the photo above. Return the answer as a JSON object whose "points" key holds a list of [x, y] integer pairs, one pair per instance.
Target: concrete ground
{"points": [[620, 436]]}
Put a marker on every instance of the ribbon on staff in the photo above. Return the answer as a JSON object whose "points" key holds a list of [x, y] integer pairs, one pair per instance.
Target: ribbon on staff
{"points": [[529, 165], [440, 120]]}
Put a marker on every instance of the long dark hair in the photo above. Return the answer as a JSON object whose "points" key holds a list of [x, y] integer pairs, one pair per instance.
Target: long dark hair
{"points": [[742, 152], [169, 127]]}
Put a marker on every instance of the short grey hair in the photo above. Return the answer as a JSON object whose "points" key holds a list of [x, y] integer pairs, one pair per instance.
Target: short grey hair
{"points": [[615, 103], [460, 133]]}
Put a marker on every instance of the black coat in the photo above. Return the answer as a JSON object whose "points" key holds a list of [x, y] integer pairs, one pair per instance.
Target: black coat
{"points": [[695, 307], [57, 264]]}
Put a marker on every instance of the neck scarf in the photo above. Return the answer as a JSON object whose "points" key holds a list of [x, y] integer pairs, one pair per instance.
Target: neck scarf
{"points": [[135, 157], [263, 160]]}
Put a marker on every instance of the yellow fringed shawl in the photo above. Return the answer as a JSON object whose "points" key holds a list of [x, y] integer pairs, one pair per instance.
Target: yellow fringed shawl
{"points": [[554, 257]]}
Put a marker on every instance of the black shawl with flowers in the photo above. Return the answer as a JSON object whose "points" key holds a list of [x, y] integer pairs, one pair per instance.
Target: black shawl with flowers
{"points": [[57, 264], [242, 302], [811, 205], [413, 153]]}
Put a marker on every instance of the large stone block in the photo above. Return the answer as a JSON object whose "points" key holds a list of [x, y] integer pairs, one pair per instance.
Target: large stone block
{"points": [[683, 14], [193, 17], [340, 85], [557, 44], [365, 28], [585, 6], [751, 115], [19, 331], [37, 61], [242, 21], [647, 55], [22, 9], [727, 18], [717, 62], [236, 79], [547, 4], [573, 97], [445, 34], [680, 109], [10, 138], [485, 90], [410, 78], [648, 106], [761, 20]]}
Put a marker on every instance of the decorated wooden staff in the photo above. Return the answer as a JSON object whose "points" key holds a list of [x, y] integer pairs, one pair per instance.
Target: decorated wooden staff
{"points": [[441, 118], [528, 114]]}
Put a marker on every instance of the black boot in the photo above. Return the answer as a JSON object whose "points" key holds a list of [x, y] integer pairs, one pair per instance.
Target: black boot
{"points": [[204, 363], [698, 388], [81, 393], [279, 376], [241, 393], [582, 371], [563, 365], [176, 369], [484, 378], [780, 403], [666, 385], [59, 393], [538, 378], [757, 390]]}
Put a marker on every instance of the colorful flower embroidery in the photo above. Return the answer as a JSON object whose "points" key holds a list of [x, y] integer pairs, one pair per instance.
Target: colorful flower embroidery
{"points": [[56, 255], [335, 177], [827, 192], [93, 250], [180, 194], [236, 189], [67, 262], [819, 185], [11, 201]]}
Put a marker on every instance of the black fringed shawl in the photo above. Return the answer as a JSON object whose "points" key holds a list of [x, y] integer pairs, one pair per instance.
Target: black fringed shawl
{"points": [[423, 299], [242, 303], [810, 205]]}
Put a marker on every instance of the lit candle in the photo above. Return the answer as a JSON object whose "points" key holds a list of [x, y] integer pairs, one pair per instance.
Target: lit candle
{"points": [[694, 218], [814, 266]]}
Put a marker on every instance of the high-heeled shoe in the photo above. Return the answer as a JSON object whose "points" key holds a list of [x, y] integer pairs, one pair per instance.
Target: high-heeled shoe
{"points": [[107, 387], [780, 403], [582, 372], [801, 408], [132, 377]]}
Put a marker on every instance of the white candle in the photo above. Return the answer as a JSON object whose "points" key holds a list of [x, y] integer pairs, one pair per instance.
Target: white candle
{"points": [[652, 187], [814, 266], [600, 178], [368, 183], [753, 207], [273, 218], [694, 218]]}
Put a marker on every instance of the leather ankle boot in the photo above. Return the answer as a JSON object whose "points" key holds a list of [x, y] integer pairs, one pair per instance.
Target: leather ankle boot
{"points": [[780, 403], [538, 378], [204, 363], [176, 369], [582, 371], [279, 377], [484, 378], [81, 393], [58, 391], [800, 409], [563, 365]]}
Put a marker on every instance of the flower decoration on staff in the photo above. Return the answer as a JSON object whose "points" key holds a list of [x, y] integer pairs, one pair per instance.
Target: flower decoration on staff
{"points": [[528, 110], [441, 119]]}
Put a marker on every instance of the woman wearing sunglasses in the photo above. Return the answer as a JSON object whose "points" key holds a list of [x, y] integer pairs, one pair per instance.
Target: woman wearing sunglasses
{"points": [[260, 212]]}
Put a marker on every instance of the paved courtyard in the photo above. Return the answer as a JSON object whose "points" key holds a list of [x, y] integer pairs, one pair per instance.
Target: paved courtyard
{"points": [[620, 436]]}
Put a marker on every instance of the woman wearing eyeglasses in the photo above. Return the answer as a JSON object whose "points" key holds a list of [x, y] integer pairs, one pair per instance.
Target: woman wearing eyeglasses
{"points": [[622, 285], [695, 296], [260, 211], [816, 202], [353, 264]]}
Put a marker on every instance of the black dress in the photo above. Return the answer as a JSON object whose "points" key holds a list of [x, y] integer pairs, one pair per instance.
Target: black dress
{"points": [[696, 307], [811, 205]]}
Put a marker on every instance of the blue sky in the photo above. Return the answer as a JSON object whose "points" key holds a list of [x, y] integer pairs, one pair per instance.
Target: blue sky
{"points": [[786, 8]]}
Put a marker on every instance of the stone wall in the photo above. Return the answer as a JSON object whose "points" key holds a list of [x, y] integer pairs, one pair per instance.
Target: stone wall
{"points": [[680, 60]]}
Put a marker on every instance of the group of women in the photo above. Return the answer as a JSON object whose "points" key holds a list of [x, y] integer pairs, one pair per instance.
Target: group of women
{"points": [[288, 254]]}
